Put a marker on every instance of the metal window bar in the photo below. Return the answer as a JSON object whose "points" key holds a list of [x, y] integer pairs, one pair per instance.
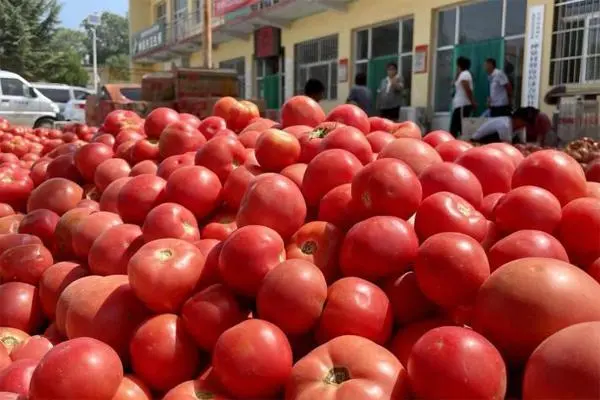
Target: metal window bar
{"points": [[239, 65], [317, 58]]}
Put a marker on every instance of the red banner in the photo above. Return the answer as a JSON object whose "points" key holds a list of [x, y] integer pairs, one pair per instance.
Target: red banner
{"points": [[223, 7]]}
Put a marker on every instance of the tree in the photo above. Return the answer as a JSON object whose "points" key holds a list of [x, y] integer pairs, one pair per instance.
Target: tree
{"points": [[118, 68], [112, 36]]}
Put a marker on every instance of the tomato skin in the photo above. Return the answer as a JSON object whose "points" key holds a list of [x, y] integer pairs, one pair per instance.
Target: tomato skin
{"points": [[488, 205], [5, 359], [34, 348], [259, 372], [454, 362], [21, 307], [16, 378], [292, 296], [118, 120], [221, 155], [350, 139], [348, 367], [158, 120], [54, 280], [527, 300], [491, 166], [132, 388], [351, 115], [10, 224], [435, 138], [196, 188], [276, 149], [523, 244], [138, 196], [387, 187], [179, 138], [295, 173], [402, 343], [407, 299], [339, 208], [10, 240], [563, 366], [450, 177], [220, 227], [111, 251], [579, 230], [378, 139], [163, 354], [407, 129], [211, 125], [25, 263], [417, 154], [594, 270], [189, 390], [450, 268], [170, 220], [15, 187], [109, 198], [592, 173], [89, 157], [380, 124], [356, 307], [90, 228], [301, 110], [388, 245], [528, 207], [56, 194], [41, 223], [447, 212], [554, 171], [171, 164]]}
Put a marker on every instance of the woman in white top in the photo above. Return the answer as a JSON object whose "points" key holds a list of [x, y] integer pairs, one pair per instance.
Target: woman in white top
{"points": [[463, 103]]}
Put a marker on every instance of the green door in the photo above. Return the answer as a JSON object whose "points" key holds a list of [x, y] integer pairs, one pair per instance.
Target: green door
{"points": [[377, 71], [478, 52], [271, 91]]}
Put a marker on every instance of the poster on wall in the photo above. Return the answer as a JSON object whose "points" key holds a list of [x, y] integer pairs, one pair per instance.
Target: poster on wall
{"points": [[420, 59], [222, 7], [343, 70], [533, 58]]}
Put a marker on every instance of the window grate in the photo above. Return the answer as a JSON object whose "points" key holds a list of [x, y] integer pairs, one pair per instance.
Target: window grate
{"points": [[317, 59], [238, 65]]}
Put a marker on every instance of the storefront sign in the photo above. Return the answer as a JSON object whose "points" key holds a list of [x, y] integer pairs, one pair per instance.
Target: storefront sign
{"points": [[343, 70], [223, 7], [420, 59], [267, 42], [149, 39], [533, 59]]}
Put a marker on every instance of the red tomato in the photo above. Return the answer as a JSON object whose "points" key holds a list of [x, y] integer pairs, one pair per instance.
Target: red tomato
{"points": [[221, 155], [196, 188], [8, 241], [41, 223], [237, 183], [489, 203], [248, 255], [20, 307], [380, 124], [15, 186], [34, 348], [326, 171], [295, 173], [435, 138], [408, 301], [118, 120], [310, 142], [491, 166], [211, 249], [54, 280], [417, 154], [388, 245], [593, 190], [260, 371], [179, 138], [16, 378], [594, 270], [348, 367], [563, 366], [64, 167], [592, 172], [350, 139], [220, 227], [81, 368], [190, 390], [237, 114], [455, 362], [292, 296], [528, 207], [356, 307], [387, 187], [163, 354], [527, 300], [351, 115], [170, 220], [450, 269], [111, 251], [144, 150], [301, 110], [38, 171], [299, 130], [158, 120], [276, 149], [139, 196], [5, 360], [173, 163], [108, 199], [211, 125], [89, 157], [339, 208], [132, 388], [25, 263], [406, 129], [511, 151], [554, 171], [164, 273], [126, 135], [90, 228], [260, 124], [447, 212], [379, 139], [274, 201], [11, 223], [450, 177], [12, 337], [109, 171], [579, 230], [57, 194], [406, 337], [523, 244]]}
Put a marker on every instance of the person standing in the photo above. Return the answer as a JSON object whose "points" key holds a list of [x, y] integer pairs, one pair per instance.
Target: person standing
{"points": [[360, 94], [500, 90], [389, 94], [463, 102]]}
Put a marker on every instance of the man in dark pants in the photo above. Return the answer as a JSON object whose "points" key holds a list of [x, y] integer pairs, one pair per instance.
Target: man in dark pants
{"points": [[500, 90]]}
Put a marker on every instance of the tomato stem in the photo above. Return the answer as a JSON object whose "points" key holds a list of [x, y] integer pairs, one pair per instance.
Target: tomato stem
{"points": [[337, 376], [309, 247]]}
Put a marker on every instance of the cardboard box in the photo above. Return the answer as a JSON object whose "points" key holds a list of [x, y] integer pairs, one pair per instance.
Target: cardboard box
{"points": [[158, 87], [201, 83]]}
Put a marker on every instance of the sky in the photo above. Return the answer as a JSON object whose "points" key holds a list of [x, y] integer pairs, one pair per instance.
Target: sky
{"points": [[75, 11]]}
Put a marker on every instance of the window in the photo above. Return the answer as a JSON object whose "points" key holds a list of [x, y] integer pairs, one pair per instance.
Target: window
{"points": [[317, 59], [13, 87], [81, 94], [179, 16], [160, 13], [239, 65], [575, 56], [56, 95], [267, 67], [198, 9], [133, 94], [472, 23], [389, 42]]}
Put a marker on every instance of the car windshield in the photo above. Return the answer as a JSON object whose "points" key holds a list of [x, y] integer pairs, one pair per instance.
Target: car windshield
{"points": [[56, 95], [133, 94], [81, 95]]}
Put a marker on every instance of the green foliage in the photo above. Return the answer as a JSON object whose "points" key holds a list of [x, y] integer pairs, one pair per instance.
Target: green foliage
{"points": [[112, 36], [118, 67]]}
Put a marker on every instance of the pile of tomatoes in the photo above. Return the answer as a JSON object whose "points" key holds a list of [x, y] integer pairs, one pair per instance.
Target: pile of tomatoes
{"points": [[323, 256]]}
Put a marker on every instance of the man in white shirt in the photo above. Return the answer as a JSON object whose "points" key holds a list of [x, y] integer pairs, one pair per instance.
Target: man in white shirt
{"points": [[500, 90], [502, 129]]}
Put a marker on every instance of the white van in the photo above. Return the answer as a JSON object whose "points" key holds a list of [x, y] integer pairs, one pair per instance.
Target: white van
{"points": [[22, 104], [60, 93]]}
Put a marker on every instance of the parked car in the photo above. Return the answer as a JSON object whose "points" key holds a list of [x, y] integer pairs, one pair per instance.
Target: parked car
{"points": [[59, 93], [75, 108], [22, 104], [111, 97]]}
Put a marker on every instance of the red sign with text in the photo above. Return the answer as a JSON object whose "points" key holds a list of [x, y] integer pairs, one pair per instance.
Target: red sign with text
{"points": [[223, 7]]}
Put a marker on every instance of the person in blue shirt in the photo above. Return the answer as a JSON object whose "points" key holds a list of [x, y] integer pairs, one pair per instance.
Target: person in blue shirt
{"points": [[360, 94]]}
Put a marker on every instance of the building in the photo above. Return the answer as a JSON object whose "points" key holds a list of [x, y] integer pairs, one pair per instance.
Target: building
{"points": [[275, 45]]}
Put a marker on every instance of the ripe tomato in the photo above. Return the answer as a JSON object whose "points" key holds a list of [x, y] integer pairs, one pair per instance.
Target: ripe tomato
{"points": [[20, 307], [579, 230], [274, 201], [491, 166], [108, 199], [10, 224], [190, 390], [260, 371], [89, 157], [5, 360], [350, 139], [347, 367], [64, 167], [220, 227], [276, 149], [111, 251], [16, 378], [388, 245], [158, 120], [56, 194], [592, 172], [450, 177], [89, 228], [12, 337], [132, 388], [387, 187], [455, 362], [351, 115], [118, 120], [170, 220], [356, 307], [15, 186], [179, 138], [292, 296], [196, 188], [54, 280], [237, 114], [82, 368], [221, 155], [25, 263], [554, 171], [301, 110], [528, 207], [339, 208], [401, 345], [173, 163], [417, 154], [509, 150], [523, 244], [527, 300], [380, 124], [447, 212], [408, 301], [41, 223], [139, 196], [488, 205], [164, 273], [406, 129], [379, 139], [143, 150], [549, 375], [435, 138], [295, 173], [237, 183], [109, 171], [593, 190], [34, 348], [450, 268]]}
